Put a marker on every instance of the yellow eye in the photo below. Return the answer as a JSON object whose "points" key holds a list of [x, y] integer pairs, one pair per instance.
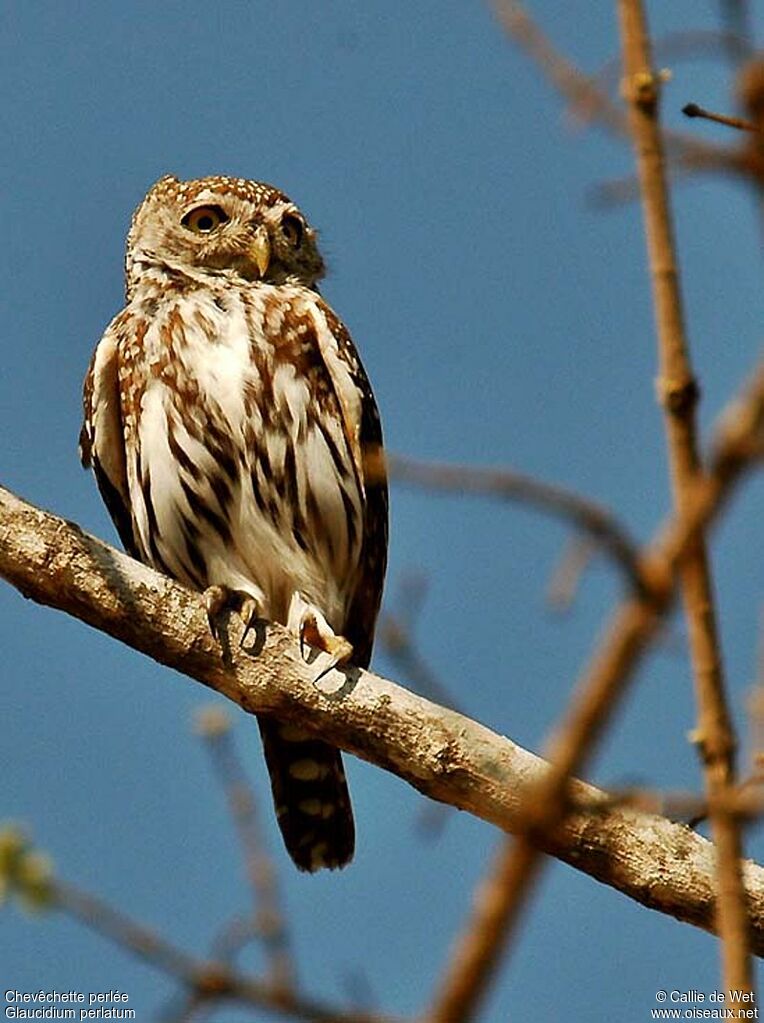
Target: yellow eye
{"points": [[292, 228], [204, 219]]}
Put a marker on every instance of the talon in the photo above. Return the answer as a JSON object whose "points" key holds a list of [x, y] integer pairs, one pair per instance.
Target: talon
{"points": [[215, 601], [316, 633], [221, 598], [248, 613], [341, 651], [310, 634]]}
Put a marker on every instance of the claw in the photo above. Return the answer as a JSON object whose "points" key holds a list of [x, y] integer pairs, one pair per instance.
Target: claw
{"points": [[316, 633], [220, 598], [249, 616], [215, 601]]}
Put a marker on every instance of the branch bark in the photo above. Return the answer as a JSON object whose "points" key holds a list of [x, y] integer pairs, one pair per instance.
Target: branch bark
{"points": [[445, 755]]}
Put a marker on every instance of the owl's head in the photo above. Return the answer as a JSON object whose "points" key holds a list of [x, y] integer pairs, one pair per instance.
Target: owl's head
{"points": [[217, 224]]}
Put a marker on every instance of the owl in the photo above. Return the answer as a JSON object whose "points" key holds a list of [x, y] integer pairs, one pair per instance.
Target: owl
{"points": [[236, 443]]}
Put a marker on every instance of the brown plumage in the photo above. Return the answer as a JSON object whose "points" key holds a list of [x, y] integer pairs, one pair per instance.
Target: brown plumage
{"points": [[235, 440]]}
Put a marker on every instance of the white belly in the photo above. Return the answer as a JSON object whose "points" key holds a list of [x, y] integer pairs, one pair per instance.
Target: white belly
{"points": [[260, 508]]}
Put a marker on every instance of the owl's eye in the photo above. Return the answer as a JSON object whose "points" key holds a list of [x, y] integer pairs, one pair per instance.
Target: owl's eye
{"points": [[292, 228], [204, 219]]}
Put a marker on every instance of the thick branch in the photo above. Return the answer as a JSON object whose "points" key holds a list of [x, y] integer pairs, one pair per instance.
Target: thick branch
{"points": [[441, 753]]}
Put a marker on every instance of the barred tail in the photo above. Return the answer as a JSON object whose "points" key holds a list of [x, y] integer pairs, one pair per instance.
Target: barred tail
{"points": [[310, 795]]}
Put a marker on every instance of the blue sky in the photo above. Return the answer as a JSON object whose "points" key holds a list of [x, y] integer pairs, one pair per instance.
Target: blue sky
{"points": [[503, 322]]}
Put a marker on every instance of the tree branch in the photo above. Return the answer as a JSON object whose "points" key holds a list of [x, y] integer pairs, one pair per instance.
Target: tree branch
{"points": [[604, 682], [208, 982], [679, 396], [443, 754], [583, 92], [267, 922], [586, 515]]}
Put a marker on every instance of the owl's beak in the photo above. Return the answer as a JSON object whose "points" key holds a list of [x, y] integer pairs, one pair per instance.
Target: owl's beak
{"points": [[260, 251]]}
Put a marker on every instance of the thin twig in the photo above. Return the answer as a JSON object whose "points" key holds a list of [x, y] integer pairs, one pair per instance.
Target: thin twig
{"points": [[693, 110], [745, 163], [233, 936], [755, 707], [139, 940], [209, 982], [586, 98], [563, 585], [687, 44], [268, 920], [678, 392], [617, 191], [586, 515]]}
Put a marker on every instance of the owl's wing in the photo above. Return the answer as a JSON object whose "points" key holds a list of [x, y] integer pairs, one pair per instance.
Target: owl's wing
{"points": [[102, 443], [367, 596], [363, 429]]}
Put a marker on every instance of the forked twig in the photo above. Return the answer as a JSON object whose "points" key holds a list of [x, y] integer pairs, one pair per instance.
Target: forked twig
{"points": [[268, 921], [582, 92], [206, 982], [589, 100]]}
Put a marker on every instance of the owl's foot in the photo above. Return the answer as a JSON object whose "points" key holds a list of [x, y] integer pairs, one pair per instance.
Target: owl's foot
{"points": [[222, 598], [315, 632]]}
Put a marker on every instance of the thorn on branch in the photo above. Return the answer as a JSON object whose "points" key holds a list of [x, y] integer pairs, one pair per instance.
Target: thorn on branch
{"points": [[693, 110]]}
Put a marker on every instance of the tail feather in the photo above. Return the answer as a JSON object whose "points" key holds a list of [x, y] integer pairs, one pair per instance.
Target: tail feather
{"points": [[310, 795]]}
